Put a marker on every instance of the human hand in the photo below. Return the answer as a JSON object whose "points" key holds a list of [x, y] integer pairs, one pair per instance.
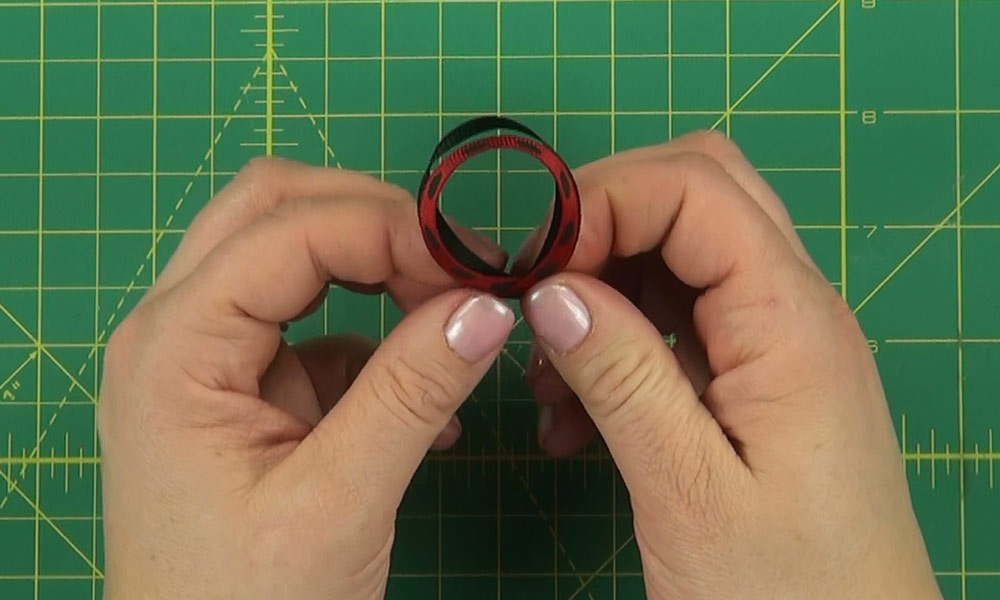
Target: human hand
{"points": [[759, 453], [236, 466]]}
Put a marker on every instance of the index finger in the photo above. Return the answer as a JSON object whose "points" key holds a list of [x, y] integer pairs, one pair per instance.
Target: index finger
{"points": [[260, 186], [267, 273], [272, 269], [711, 234]]}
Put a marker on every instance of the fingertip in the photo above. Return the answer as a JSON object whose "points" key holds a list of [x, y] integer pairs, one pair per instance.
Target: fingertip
{"points": [[557, 315], [527, 253], [567, 429], [484, 247], [478, 327], [449, 435]]}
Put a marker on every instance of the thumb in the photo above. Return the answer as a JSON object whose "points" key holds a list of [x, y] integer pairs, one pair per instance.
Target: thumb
{"points": [[408, 391], [663, 439]]}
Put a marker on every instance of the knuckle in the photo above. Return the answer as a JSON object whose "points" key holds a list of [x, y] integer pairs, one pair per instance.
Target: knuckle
{"points": [[122, 341], [122, 356], [419, 393], [712, 143], [258, 169], [257, 181], [698, 164], [127, 345], [282, 209]]}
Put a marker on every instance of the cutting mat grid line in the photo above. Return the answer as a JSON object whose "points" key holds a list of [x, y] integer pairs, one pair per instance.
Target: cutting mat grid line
{"points": [[878, 122]]}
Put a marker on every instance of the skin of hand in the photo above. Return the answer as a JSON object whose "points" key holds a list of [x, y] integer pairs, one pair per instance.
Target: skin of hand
{"points": [[759, 452], [238, 466]]}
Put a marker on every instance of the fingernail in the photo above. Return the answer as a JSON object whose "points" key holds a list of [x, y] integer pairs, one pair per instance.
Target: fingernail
{"points": [[478, 327], [544, 423], [454, 426], [558, 316], [449, 435]]}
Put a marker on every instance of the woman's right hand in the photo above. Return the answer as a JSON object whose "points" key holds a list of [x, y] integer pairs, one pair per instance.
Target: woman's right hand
{"points": [[759, 452]]}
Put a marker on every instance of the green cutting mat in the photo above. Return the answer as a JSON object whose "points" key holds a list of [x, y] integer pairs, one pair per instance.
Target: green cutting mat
{"points": [[878, 121]]}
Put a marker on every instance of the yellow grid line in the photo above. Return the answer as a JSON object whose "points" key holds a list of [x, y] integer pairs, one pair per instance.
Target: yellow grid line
{"points": [[958, 306], [41, 516], [154, 185], [843, 148], [497, 222], [326, 125], [784, 55], [614, 145], [414, 57], [440, 468], [94, 504], [964, 340], [934, 231], [382, 138], [555, 142], [805, 112], [729, 73], [269, 61], [670, 69], [320, 2], [917, 340], [947, 455], [41, 223]]}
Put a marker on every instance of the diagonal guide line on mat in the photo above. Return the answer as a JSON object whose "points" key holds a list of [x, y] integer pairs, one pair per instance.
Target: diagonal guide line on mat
{"points": [[14, 487], [244, 90], [17, 370], [934, 231], [729, 111], [602, 566], [328, 148], [531, 495], [583, 582], [74, 382]]}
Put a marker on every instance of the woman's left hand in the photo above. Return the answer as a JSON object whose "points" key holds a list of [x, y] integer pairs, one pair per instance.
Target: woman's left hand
{"points": [[237, 466]]}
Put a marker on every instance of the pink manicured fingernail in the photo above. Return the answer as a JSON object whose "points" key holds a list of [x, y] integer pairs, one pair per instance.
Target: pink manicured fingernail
{"points": [[478, 327], [558, 316]]}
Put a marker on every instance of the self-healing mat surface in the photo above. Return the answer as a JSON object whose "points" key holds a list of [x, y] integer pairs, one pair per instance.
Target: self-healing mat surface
{"points": [[878, 121]]}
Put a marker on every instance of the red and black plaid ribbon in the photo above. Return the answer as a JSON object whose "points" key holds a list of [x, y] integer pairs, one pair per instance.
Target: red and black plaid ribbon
{"points": [[453, 256]]}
